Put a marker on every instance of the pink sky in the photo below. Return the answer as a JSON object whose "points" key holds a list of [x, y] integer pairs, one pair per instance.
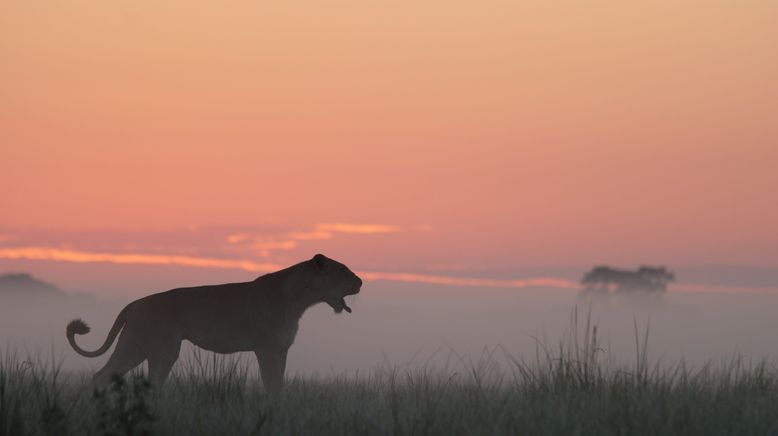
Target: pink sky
{"points": [[402, 137]]}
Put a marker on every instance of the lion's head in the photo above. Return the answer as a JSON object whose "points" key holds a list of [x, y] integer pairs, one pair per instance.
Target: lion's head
{"points": [[335, 281]]}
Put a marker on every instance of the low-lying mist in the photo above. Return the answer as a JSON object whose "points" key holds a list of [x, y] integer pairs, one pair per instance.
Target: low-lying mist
{"points": [[428, 325]]}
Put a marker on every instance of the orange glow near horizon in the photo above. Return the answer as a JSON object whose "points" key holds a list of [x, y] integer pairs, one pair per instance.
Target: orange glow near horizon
{"points": [[46, 253], [62, 255], [395, 135]]}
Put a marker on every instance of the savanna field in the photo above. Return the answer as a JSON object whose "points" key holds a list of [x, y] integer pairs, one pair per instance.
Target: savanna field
{"points": [[560, 211], [568, 387]]}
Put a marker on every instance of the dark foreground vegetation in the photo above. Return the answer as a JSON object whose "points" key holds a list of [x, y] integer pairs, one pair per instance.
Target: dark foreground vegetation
{"points": [[569, 389]]}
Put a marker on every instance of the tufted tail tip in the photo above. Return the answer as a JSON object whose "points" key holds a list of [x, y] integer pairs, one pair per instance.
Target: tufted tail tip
{"points": [[77, 327]]}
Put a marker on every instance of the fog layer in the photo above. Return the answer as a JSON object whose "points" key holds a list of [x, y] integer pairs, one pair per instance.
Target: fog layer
{"points": [[410, 324]]}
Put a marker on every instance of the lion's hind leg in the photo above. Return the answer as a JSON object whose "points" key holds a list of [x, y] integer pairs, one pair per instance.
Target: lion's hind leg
{"points": [[161, 357], [125, 357]]}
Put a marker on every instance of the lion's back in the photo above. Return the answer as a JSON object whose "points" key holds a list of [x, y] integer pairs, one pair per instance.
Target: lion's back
{"points": [[201, 304]]}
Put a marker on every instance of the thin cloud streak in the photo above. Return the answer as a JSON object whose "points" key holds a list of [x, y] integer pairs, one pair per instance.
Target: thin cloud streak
{"points": [[473, 282], [317, 235], [62, 255], [274, 245], [237, 238], [264, 245], [357, 228], [683, 287]]}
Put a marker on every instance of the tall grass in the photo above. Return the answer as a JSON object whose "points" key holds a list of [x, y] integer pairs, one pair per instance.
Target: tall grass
{"points": [[571, 387]]}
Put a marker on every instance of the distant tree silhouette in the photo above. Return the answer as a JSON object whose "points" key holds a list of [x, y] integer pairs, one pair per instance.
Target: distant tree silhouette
{"points": [[657, 277], [605, 278]]}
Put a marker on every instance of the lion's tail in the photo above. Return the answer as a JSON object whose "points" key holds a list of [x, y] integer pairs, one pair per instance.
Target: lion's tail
{"points": [[79, 327]]}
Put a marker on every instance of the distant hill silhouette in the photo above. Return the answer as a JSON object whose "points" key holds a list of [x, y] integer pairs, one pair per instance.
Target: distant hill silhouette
{"points": [[25, 285]]}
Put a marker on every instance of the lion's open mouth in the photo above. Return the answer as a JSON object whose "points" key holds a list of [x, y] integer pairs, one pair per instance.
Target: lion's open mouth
{"points": [[339, 305]]}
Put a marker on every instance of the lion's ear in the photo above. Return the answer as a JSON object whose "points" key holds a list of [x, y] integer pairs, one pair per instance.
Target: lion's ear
{"points": [[320, 261]]}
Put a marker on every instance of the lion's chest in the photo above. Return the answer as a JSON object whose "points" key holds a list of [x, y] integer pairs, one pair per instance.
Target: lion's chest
{"points": [[284, 336], [227, 336], [240, 334]]}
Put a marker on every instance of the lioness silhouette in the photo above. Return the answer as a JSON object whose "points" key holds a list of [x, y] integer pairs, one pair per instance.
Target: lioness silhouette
{"points": [[260, 316]]}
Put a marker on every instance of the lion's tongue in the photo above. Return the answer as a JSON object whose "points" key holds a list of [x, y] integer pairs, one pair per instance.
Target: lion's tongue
{"points": [[345, 306]]}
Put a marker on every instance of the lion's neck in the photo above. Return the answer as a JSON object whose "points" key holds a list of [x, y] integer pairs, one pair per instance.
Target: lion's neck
{"points": [[297, 305], [298, 292]]}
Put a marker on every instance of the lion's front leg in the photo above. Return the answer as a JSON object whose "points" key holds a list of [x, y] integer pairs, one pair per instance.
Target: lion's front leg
{"points": [[272, 365]]}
